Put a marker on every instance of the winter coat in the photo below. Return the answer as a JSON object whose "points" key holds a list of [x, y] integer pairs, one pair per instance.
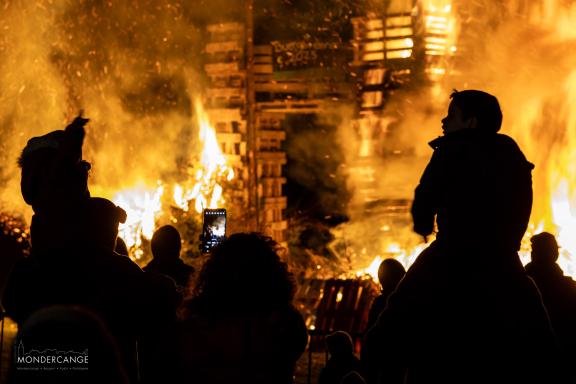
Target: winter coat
{"points": [[478, 185]]}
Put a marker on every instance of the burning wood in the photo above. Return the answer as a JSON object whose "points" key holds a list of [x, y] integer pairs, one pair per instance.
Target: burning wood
{"points": [[145, 205]]}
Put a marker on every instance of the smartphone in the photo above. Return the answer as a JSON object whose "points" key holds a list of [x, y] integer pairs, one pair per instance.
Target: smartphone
{"points": [[213, 228]]}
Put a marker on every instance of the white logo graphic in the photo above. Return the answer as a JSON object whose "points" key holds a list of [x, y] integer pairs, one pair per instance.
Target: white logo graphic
{"points": [[50, 359]]}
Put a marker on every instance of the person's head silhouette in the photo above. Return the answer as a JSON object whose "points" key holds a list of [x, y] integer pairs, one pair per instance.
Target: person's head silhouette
{"points": [[390, 272], [339, 344], [52, 167], [78, 333], [99, 222], [472, 109], [245, 273], [166, 243], [544, 248]]}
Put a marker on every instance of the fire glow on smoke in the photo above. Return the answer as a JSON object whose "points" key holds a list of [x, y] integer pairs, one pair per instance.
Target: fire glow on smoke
{"points": [[133, 68], [523, 53]]}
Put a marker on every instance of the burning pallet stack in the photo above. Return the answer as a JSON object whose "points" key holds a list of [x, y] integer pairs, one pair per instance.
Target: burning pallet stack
{"points": [[249, 104], [226, 102], [255, 90], [230, 103]]}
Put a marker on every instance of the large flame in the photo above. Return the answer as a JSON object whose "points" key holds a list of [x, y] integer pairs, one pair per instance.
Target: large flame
{"points": [[207, 192], [544, 123], [523, 55], [134, 75], [143, 204]]}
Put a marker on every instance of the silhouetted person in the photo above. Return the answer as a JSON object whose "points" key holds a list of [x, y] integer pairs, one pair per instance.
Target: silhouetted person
{"points": [[466, 311], [558, 293], [342, 359], [74, 332], [72, 260], [390, 272], [241, 326], [54, 181], [166, 245], [87, 272]]}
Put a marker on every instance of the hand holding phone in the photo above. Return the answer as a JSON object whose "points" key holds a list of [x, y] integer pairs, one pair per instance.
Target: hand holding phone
{"points": [[213, 228]]}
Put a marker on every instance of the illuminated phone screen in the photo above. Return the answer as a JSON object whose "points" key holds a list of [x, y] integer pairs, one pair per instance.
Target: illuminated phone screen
{"points": [[214, 228]]}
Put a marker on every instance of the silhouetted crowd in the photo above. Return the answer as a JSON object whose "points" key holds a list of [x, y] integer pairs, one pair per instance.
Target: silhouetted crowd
{"points": [[78, 291], [466, 311]]}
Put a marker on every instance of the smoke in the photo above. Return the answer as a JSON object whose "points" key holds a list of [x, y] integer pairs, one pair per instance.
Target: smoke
{"points": [[520, 51], [381, 170], [131, 67], [525, 57], [327, 20], [30, 92], [134, 69], [317, 185]]}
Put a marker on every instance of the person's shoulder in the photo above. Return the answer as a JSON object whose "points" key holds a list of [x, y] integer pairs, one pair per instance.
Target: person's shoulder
{"points": [[118, 263], [530, 268], [507, 147], [123, 260], [161, 280], [151, 266], [503, 139]]}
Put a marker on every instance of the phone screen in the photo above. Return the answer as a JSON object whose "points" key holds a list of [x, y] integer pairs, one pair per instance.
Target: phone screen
{"points": [[213, 228]]}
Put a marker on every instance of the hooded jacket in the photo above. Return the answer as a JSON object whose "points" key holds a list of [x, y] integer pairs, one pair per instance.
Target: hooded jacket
{"points": [[478, 186]]}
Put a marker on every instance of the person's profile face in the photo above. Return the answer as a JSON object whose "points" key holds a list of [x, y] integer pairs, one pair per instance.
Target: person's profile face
{"points": [[454, 120]]}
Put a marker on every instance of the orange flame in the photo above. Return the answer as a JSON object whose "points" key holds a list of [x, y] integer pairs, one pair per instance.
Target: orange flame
{"points": [[143, 204], [207, 193], [540, 105]]}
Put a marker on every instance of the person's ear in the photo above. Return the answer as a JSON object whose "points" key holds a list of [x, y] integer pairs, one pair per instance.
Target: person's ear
{"points": [[472, 123]]}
